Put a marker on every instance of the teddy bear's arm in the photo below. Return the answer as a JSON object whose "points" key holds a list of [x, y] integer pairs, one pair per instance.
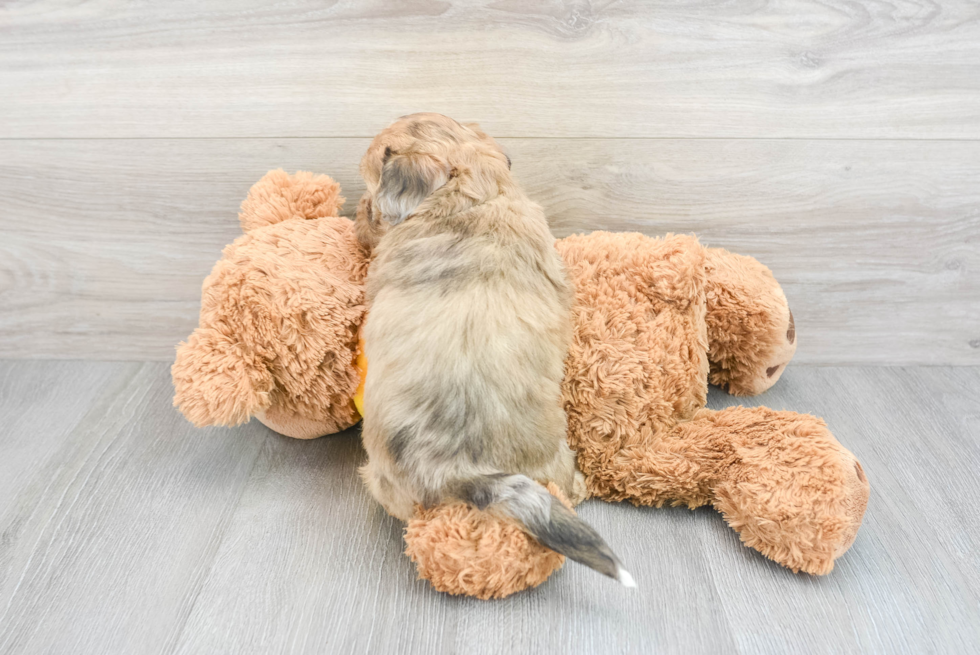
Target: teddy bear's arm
{"points": [[751, 332], [218, 380]]}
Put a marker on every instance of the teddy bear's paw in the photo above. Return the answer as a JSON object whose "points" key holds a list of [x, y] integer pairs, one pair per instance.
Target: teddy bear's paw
{"points": [[464, 551], [793, 493], [751, 330]]}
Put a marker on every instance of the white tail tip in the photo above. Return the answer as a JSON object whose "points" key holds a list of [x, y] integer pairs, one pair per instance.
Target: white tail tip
{"points": [[625, 578]]}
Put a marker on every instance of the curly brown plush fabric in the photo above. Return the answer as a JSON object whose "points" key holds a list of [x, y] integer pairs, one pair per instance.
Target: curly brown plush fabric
{"points": [[279, 196], [751, 331], [784, 483], [279, 316], [463, 551], [637, 363]]}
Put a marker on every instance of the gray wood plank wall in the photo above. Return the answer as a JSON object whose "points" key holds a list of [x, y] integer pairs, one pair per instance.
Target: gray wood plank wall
{"points": [[838, 142], [233, 68]]}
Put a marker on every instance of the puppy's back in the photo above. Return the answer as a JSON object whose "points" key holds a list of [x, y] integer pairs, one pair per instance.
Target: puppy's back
{"points": [[467, 337]]}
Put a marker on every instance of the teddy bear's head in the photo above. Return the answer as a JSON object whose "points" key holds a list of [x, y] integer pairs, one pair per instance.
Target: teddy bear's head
{"points": [[279, 316]]}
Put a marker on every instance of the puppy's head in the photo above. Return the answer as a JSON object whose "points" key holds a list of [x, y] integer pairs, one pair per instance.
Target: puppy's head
{"points": [[426, 162]]}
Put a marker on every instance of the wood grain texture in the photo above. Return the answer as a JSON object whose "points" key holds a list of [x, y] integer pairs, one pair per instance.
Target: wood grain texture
{"points": [[332, 578], [126, 530], [112, 507], [528, 68], [877, 243]]}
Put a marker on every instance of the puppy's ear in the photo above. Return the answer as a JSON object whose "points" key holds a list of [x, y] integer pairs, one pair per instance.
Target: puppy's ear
{"points": [[407, 180]]}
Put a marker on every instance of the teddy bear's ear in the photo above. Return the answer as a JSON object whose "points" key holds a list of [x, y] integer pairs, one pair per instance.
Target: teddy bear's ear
{"points": [[218, 381], [279, 197]]}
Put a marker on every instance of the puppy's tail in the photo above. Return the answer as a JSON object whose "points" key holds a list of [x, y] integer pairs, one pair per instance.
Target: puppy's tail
{"points": [[546, 519]]}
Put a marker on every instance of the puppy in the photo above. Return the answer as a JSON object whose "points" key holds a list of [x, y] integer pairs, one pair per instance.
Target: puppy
{"points": [[466, 337]]}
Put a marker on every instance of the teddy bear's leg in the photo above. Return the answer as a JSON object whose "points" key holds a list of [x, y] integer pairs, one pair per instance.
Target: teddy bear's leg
{"points": [[780, 479], [751, 333], [461, 550], [792, 491]]}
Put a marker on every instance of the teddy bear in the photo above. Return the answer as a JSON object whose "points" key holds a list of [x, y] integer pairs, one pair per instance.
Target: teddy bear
{"points": [[654, 320]]}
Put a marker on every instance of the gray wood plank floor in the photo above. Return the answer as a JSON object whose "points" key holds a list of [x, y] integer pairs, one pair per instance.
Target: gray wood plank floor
{"points": [[124, 529]]}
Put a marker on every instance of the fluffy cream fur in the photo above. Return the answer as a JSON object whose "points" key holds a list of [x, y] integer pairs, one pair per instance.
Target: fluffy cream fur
{"points": [[469, 319]]}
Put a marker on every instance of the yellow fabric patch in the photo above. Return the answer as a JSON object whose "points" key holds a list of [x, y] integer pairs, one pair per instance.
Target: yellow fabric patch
{"points": [[360, 363]]}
